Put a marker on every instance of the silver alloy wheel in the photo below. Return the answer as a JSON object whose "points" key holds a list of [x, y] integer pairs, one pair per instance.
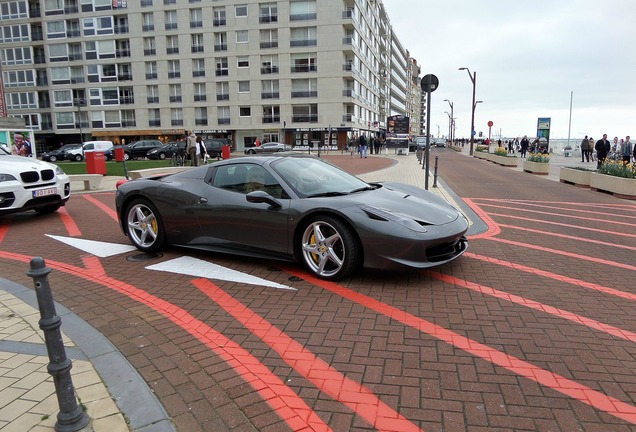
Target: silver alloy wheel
{"points": [[323, 249], [143, 226], [52, 158]]}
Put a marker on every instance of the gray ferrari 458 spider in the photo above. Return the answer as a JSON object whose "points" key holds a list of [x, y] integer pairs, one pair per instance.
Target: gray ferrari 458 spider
{"points": [[293, 208]]}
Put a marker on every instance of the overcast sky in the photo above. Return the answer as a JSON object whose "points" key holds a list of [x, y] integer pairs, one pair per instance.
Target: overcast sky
{"points": [[529, 56]]}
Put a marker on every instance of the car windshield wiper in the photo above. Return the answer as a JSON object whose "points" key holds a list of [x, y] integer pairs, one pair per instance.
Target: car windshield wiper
{"points": [[365, 188], [328, 194]]}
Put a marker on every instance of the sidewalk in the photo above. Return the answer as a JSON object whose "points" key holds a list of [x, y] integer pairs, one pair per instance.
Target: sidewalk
{"points": [[115, 396]]}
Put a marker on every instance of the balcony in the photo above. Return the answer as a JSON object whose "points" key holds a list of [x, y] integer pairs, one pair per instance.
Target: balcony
{"points": [[269, 44], [263, 19], [150, 51], [271, 119], [174, 74], [176, 122], [129, 123], [304, 68], [123, 52], [73, 33], [197, 48], [347, 118], [222, 96], [348, 93], [219, 22], [176, 98], [122, 29], [303, 17], [269, 69], [171, 26], [221, 72], [304, 93], [152, 99], [124, 77], [201, 122], [196, 24], [154, 122], [172, 50], [200, 97], [151, 75], [148, 27], [198, 73], [270, 95], [220, 47], [224, 120], [75, 56], [348, 14], [302, 42], [305, 118]]}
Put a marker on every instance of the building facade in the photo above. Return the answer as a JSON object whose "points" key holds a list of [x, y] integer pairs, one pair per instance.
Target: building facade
{"points": [[305, 72]]}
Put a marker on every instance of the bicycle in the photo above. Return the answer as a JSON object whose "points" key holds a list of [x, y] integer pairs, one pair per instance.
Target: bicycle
{"points": [[177, 160]]}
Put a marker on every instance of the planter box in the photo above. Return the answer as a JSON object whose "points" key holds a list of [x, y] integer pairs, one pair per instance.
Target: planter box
{"points": [[481, 155], [618, 186], [507, 161], [576, 177], [541, 168]]}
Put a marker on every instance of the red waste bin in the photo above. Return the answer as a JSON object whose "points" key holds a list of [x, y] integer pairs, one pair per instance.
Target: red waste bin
{"points": [[225, 152], [95, 162], [119, 154]]}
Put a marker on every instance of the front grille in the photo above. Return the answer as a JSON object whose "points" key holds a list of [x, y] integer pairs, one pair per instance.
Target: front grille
{"points": [[30, 176], [47, 174], [7, 200], [445, 251]]}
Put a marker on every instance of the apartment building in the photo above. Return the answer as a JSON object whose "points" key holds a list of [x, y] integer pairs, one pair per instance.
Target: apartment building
{"points": [[303, 71]]}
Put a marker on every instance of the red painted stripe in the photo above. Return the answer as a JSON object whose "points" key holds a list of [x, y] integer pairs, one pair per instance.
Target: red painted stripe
{"points": [[570, 210], [71, 227], [561, 278], [568, 254], [531, 304], [548, 379], [3, 232], [569, 237], [546, 222], [106, 209], [572, 203], [287, 404], [352, 394], [493, 228]]}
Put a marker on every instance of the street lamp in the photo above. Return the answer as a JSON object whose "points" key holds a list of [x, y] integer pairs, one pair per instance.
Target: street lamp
{"points": [[452, 127], [473, 79]]}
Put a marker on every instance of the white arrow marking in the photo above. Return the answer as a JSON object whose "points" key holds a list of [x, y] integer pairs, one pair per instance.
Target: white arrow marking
{"points": [[200, 268], [97, 248]]}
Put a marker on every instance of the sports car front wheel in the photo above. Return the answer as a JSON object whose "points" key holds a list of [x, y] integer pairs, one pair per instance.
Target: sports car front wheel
{"points": [[329, 249], [144, 225]]}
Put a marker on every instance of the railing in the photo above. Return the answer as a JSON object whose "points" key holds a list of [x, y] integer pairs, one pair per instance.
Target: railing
{"points": [[269, 69], [267, 19], [270, 95], [305, 118]]}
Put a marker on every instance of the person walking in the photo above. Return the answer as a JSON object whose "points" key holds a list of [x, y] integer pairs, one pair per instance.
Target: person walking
{"points": [[524, 145], [203, 151], [627, 150], [191, 148], [362, 146], [585, 147], [602, 148]]}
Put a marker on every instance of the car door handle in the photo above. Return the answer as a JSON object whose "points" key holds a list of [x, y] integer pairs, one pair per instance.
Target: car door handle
{"points": [[203, 200]]}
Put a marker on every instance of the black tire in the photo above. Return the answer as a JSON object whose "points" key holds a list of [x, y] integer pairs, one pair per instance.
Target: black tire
{"points": [[78, 158], [48, 209], [251, 152], [52, 158], [328, 248], [144, 226], [162, 156]]}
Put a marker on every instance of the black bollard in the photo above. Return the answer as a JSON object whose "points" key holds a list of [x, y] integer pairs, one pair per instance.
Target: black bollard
{"points": [[71, 417], [435, 172]]}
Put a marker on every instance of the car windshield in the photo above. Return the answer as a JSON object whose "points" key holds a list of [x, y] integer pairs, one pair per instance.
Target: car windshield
{"points": [[3, 150], [311, 177]]}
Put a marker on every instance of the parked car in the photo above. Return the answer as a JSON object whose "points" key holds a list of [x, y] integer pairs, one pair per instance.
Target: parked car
{"points": [[60, 153], [214, 146], [294, 208], [439, 142], [27, 183], [139, 149], [167, 150], [270, 147], [89, 146]]}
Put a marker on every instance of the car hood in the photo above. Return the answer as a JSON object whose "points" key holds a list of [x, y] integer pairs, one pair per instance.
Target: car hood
{"points": [[21, 163], [417, 204]]}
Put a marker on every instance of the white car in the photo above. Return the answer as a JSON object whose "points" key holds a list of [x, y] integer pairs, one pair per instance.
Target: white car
{"points": [[27, 183]]}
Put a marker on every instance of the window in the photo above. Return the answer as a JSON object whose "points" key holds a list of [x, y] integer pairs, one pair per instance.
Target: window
{"points": [[174, 69], [245, 112], [271, 114], [18, 9], [304, 88], [302, 10], [219, 16], [110, 96], [60, 75], [222, 91], [172, 44], [305, 113], [303, 36], [64, 120], [151, 70], [243, 61], [53, 7], [240, 10], [26, 100], [220, 41], [303, 62], [149, 46], [154, 117], [14, 33], [270, 89], [241, 36], [175, 92], [201, 116], [148, 21], [176, 116], [55, 29], [200, 94], [196, 18], [269, 64], [152, 92], [269, 38], [268, 13], [19, 78], [244, 86], [171, 20], [221, 66], [197, 42], [112, 119], [16, 56], [58, 52], [128, 118], [62, 98], [198, 68], [105, 49], [224, 115]]}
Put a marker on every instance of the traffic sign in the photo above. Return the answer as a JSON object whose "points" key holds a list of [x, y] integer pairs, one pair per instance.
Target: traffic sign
{"points": [[429, 83], [490, 123]]}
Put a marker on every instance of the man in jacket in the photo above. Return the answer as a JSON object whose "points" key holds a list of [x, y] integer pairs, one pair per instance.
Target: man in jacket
{"points": [[627, 150], [585, 149], [191, 148], [602, 148]]}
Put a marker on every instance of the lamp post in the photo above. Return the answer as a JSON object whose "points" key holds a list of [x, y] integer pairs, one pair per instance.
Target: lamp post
{"points": [[473, 79], [452, 126]]}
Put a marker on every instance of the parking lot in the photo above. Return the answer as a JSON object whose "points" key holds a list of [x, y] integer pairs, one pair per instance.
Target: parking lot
{"points": [[532, 329]]}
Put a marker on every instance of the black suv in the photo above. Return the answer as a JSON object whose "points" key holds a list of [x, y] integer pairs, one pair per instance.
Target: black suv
{"points": [[214, 146], [139, 149]]}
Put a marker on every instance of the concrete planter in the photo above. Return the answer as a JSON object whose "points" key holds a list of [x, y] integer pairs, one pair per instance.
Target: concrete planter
{"points": [[481, 155], [507, 161], [618, 186], [576, 177], [541, 168]]}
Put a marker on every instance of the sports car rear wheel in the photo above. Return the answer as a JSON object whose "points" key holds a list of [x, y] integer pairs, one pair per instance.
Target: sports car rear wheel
{"points": [[145, 228], [329, 249]]}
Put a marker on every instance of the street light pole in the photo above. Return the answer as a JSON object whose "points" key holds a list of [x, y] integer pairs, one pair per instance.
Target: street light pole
{"points": [[452, 137], [450, 125], [473, 79]]}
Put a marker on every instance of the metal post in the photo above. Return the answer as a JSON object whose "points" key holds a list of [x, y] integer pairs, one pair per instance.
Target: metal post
{"points": [[71, 417], [435, 172]]}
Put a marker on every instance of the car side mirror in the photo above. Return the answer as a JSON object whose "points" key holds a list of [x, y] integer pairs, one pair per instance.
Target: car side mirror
{"points": [[262, 197]]}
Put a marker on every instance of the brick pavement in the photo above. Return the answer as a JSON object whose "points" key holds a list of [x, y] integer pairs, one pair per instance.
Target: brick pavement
{"points": [[545, 303]]}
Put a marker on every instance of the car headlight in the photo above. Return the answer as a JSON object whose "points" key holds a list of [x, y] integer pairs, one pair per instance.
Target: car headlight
{"points": [[59, 171], [6, 177], [381, 214]]}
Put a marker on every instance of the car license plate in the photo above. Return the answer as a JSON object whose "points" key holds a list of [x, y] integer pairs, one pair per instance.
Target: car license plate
{"points": [[44, 192]]}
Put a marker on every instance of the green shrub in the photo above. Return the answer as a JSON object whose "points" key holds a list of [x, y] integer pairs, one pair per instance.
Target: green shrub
{"points": [[538, 157]]}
